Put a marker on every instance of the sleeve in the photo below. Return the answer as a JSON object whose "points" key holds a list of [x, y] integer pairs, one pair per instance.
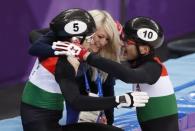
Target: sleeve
{"points": [[65, 76], [108, 86], [42, 46], [147, 73], [36, 34]]}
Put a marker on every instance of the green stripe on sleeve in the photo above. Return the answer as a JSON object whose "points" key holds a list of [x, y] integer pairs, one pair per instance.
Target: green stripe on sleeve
{"points": [[35, 96], [157, 107]]}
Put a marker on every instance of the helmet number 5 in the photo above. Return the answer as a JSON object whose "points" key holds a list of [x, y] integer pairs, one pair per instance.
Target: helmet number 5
{"points": [[76, 27]]}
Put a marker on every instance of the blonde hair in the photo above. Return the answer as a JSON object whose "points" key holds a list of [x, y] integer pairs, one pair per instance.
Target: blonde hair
{"points": [[112, 49]]}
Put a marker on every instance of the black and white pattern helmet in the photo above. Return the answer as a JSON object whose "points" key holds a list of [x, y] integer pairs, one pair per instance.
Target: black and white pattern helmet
{"points": [[73, 22], [144, 30]]}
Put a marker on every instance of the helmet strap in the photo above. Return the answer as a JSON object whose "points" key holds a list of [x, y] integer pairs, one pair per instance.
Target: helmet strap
{"points": [[139, 55], [140, 58]]}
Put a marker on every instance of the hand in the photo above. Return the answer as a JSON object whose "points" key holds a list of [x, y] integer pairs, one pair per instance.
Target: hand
{"points": [[69, 49], [103, 120], [132, 99], [74, 62]]}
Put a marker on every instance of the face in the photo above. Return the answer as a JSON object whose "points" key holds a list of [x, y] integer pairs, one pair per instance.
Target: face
{"points": [[130, 51], [100, 39], [86, 43]]}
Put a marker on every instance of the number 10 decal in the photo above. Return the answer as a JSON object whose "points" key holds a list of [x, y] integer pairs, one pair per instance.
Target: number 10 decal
{"points": [[147, 34]]}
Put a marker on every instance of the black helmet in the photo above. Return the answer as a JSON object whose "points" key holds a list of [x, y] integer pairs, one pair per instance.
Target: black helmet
{"points": [[73, 22], [145, 31]]}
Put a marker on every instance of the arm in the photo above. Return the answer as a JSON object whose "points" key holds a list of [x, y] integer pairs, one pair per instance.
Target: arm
{"points": [[108, 86], [65, 76], [42, 44], [147, 73], [36, 34]]}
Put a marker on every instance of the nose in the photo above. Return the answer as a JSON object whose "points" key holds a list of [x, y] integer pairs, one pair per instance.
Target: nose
{"points": [[92, 41], [103, 41]]}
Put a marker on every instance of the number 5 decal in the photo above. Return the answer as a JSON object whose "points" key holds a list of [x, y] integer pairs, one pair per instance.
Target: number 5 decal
{"points": [[75, 27]]}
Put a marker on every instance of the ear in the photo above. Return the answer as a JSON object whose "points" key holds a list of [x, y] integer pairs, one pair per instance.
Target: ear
{"points": [[144, 50]]}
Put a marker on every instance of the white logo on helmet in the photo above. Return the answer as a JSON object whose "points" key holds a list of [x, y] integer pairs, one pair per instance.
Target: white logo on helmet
{"points": [[75, 27], [147, 34]]}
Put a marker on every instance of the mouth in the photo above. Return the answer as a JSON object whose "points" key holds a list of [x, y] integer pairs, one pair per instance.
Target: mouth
{"points": [[95, 48]]}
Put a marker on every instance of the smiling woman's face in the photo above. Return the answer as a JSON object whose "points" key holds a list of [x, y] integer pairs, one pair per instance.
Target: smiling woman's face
{"points": [[100, 39]]}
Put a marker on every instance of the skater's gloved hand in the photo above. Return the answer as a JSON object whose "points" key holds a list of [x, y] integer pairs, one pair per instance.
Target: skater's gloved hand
{"points": [[132, 99], [69, 49]]}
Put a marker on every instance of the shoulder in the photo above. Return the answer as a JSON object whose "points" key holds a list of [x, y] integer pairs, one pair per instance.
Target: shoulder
{"points": [[153, 70], [43, 34], [152, 64]]}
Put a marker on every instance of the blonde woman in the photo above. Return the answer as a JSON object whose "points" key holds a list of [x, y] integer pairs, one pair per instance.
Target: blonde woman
{"points": [[106, 43]]}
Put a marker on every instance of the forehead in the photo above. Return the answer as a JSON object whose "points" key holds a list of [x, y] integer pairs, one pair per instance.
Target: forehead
{"points": [[102, 31]]}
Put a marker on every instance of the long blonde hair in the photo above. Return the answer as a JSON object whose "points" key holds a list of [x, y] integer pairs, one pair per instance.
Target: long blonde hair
{"points": [[112, 49]]}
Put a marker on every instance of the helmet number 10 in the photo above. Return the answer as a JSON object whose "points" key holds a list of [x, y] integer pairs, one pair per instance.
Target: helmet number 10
{"points": [[147, 34]]}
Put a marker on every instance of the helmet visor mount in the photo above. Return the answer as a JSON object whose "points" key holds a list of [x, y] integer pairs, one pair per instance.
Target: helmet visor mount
{"points": [[130, 42], [81, 39], [88, 39]]}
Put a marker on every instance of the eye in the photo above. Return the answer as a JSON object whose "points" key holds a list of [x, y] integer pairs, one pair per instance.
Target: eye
{"points": [[100, 36]]}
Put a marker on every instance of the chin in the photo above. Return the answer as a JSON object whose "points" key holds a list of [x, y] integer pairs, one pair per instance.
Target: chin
{"points": [[96, 49]]}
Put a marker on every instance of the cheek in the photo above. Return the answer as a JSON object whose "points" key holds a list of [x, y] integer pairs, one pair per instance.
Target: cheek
{"points": [[94, 48], [104, 43], [95, 38], [131, 50], [86, 45]]}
